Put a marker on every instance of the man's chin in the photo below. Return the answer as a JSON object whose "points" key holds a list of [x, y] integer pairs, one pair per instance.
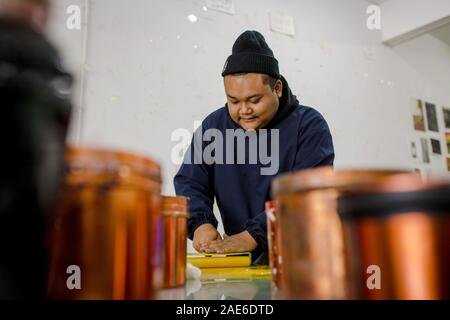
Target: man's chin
{"points": [[249, 126]]}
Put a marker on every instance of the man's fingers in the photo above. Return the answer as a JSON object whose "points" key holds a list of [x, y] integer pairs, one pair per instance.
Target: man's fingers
{"points": [[197, 245], [210, 248], [213, 246], [228, 244]]}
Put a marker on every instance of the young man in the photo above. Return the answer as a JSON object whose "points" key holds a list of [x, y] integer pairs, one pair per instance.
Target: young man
{"points": [[258, 97]]}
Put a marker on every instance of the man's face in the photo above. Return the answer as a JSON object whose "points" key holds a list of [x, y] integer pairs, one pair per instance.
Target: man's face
{"points": [[251, 102]]}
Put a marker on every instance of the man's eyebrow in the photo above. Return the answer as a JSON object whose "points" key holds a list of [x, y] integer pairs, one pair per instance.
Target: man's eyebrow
{"points": [[255, 96], [252, 96]]}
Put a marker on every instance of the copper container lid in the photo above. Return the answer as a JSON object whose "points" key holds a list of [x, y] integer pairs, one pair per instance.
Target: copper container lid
{"points": [[177, 205], [396, 194], [408, 182], [87, 162], [328, 177]]}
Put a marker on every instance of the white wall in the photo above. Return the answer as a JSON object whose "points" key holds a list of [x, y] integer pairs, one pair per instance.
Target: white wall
{"points": [[149, 70]]}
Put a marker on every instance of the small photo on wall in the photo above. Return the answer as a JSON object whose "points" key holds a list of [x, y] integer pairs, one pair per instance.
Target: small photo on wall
{"points": [[425, 152], [436, 146], [418, 116], [448, 164], [447, 139], [413, 149], [431, 117], [446, 112]]}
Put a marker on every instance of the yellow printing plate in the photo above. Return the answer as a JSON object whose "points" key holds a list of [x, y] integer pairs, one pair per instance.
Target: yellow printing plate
{"points": [[215, 260]]}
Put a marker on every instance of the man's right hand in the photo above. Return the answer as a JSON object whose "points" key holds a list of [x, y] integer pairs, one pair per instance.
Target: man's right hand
{"points": [[203, 235]]}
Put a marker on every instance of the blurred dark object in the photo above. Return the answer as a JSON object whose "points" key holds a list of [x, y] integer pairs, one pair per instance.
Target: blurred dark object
{"points": [[35, 106], [107, 224], [402, 229], [175, 213], [312, 239]]}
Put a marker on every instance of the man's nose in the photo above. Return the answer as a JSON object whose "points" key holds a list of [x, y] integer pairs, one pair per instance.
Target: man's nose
{"points": [[245, 109]]}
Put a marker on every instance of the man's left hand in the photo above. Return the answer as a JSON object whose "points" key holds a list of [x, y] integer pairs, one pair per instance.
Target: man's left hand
{"points": [[240, 242]]}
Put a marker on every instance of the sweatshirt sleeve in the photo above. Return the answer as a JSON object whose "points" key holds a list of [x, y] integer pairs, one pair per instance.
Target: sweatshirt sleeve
{"points": [[257, 227], [315, 149], [315, 145], [193, 180]]}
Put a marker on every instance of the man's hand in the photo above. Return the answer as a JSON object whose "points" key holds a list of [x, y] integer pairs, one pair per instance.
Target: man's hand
{"points": [[240, 242], [203, 235]]}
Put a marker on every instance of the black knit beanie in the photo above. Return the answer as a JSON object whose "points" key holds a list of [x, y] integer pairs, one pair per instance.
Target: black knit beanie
{"points": [[251, 54]]}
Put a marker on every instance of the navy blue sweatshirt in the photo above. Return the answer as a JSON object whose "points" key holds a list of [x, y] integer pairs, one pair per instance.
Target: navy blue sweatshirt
{"points": [[240, 189]]}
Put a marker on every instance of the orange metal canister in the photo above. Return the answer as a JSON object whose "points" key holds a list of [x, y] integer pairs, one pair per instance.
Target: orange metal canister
{"points": [[104, 239], [312, 240], [175, 213], [398, 239]]}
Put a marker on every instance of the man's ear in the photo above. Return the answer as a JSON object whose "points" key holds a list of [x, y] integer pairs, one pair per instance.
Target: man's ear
{"points": [[279, 88]]}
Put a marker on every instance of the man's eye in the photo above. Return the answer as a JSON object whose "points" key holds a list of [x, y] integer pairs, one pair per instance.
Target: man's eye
{"points": [[255, 101]]}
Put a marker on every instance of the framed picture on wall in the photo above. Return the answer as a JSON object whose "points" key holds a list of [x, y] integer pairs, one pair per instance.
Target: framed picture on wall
{"points": [[425, 152], [431, 117], [446, 112], [447, 140], [418, 116], [448, 164], [413, 149], [436, 146]]}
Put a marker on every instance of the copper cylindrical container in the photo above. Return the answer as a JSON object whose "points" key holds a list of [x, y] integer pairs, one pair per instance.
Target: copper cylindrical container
{"points": [[273, 237], [399, 236], [175, 213], [311, 231], [106, 227]]}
